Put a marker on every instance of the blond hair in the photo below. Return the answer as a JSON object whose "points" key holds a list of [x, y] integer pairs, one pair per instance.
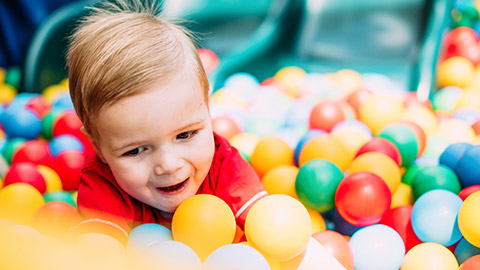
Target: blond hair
{"points": [[123, 48]]}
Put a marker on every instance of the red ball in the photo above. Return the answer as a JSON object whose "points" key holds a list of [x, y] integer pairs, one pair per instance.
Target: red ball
{"points": [[55, 218], [225, 126], [208, 58], [399, 219], [34, 151], [337, 245], [362, 198], [358, 97], [325, 115], [39, 106], [476, 127], [25, 172], [68, 166], [69, 123], [472, 263], [383, 146], [464, 193], [459, 39]]}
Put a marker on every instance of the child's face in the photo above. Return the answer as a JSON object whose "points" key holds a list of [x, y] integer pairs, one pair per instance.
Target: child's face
{"points": [[159, 144]]}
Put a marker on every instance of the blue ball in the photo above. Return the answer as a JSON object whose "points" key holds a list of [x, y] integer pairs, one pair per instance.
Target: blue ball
{"points": [[19, 122], [468, 167], [453, 153], [63, 143], [434, 217], [465, 250], [145, 235]]}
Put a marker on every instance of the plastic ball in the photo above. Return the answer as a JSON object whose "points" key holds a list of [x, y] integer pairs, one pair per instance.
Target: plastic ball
{"points": [[309, 134], [225, 126], [208, 58], [436, 144], [402, 196], [434, 217], [455, 130], [62, 143], [469, 218], [25, 172], [278, 226], [52, 180], [379, 111], [290, 79], [245, 142], [325, 115], [68, 165], [19, 202], [316, 184], [379, 164], [465, 250], [471, 263], [34, 151], [357, 97], [455, 71], [281, 180], [352, 139], [48, 123], [236, 256], [453, 153], [55, 218], [269, 153], [446, 99], [61, 196], [203, 222], [11, 147], [429, 256], [337, 245], [318, 222], [362, 198], [464, 193], [377, 247], [325, 147], [20, 122], [423, 117], [434, 177], [405, 140], [91, 247], [419, 134], [399, 219], [381, 145], [468, 167], [144, 236]]}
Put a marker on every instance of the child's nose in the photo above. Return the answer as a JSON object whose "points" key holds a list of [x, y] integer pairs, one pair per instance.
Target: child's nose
{"points": [[168, 162]]}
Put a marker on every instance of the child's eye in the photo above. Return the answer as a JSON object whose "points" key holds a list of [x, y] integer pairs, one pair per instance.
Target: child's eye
{"points": [[186, 135], [134, 152]]}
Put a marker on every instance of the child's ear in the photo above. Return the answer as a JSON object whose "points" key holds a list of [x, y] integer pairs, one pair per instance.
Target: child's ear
{"points": [[94, 143]]}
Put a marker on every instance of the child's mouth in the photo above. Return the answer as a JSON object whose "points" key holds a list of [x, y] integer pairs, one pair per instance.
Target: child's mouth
{"points": [[174, 188]]}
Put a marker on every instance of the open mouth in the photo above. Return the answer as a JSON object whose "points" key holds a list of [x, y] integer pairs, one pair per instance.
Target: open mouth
{"points": [[174, 188]]}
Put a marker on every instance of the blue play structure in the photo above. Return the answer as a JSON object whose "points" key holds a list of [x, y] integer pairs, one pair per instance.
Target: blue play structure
{"points": [[398, 38]]}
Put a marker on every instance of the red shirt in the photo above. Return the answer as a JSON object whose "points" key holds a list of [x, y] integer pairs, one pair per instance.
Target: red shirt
{"points": [[103, 202]]}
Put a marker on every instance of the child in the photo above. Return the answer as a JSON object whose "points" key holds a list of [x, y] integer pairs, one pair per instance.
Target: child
{"points": [[139, 88]]}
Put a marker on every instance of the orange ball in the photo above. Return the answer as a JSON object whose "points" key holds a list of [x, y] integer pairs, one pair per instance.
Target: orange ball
{"points": [[325, 115], [55, 218], [270, 152], [325, 147], [356, 98], [379, 111], [225, 126], [281, 180]]}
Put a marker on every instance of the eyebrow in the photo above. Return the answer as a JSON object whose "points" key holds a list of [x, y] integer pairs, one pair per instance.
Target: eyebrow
{"points": [[181, 129]]}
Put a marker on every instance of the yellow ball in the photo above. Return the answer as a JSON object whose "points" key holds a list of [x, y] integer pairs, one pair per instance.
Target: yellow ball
{"points": [[227, 99], [353, 139], [270, 152], [379, 164], [318, 222], [325, 147], [244, 142], [53, 91], [278, 226], [7, 93], [51, 178], [455, 71], [402, 196], [379, 111], [204, 222], [429, 256], [469, 219], [423, 117], [19, 202], [3, 73], [348, 80], [281, 180], [290, 79]]}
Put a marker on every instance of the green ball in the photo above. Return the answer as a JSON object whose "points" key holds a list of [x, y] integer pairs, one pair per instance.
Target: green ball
{"points": [[48, 123], [410, 173], [434, 177], [316, 184], [11, 147], [62, 196], [404, 139]]}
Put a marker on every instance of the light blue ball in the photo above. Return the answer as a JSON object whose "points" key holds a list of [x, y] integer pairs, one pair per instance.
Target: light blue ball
{"points": [[19, 122], [434, 217], [236, 256], [145, 235], [377, 247], [64, 143]]}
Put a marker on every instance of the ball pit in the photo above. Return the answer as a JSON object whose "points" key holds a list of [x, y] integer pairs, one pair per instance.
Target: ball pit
{"points": [[307, 135]]}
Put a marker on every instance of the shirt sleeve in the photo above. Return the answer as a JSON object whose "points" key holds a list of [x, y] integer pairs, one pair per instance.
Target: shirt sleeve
{"points": [[237, 182]]}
